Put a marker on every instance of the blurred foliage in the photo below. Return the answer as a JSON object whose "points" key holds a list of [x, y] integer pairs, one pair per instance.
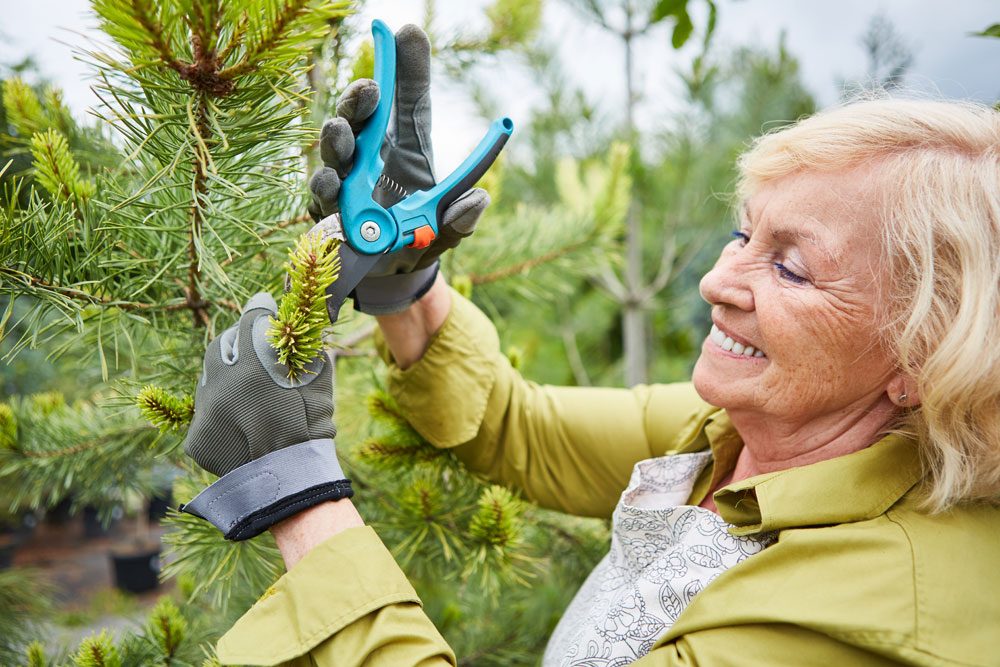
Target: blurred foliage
{"points": [[25, 600]]}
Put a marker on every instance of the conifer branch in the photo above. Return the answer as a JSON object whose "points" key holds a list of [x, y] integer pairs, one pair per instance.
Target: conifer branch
{"points": [[167, 627], [291, 11], [201, 156], [85, 446], [497, 520], [156, 36], [531, 263], [284, 224], [24, 111], [57, 170], [106, 302], [8, 427], [75, 294], [237, 38], [97, 651], [164, 410], [297, 332], [35, 653]]}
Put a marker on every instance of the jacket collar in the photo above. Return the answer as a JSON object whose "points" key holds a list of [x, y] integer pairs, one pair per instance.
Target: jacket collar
{"points": [[855, 487]]}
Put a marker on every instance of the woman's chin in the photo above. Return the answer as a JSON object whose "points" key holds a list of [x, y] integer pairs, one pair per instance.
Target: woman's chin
{"points": [[707, 384]]}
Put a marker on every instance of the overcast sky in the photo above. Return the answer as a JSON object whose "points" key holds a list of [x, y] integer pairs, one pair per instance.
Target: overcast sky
{"points": [[822, 34]]}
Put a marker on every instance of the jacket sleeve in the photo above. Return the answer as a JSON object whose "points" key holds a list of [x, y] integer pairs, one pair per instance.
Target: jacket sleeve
{"points": [[567, 448], [345, 604], [761, 645]]}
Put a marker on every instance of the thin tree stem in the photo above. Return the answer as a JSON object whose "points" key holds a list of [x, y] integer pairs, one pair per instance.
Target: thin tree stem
{"points": [[198, 201], [528, 264], [84, 446]]}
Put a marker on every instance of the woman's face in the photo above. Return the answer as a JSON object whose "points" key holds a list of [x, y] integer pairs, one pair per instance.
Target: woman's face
{"points": [[799, 284]]}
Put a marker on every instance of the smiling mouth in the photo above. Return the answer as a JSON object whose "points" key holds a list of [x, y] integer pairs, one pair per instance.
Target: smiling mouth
{"points": [[721, 339]]}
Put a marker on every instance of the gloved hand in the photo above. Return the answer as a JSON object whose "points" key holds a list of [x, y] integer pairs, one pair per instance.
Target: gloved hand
{"points": [[270, 439], [399, 278]]}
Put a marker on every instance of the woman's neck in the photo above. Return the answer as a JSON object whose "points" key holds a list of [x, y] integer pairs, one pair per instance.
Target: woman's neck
{"points": [[771, 444]]}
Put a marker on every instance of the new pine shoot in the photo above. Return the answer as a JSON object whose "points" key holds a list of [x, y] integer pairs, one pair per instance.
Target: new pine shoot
{"points": [[296, 334]]}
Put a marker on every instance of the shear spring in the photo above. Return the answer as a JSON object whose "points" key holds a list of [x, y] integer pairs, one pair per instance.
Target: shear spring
{"points": [[392, 187]]}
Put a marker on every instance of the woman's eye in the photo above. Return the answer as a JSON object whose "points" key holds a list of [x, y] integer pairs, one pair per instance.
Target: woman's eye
{"points": [[741, 237], [788, 275]]}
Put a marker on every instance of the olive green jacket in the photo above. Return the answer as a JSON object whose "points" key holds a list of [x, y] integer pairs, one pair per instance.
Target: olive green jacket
{"points": [[858, 576]]}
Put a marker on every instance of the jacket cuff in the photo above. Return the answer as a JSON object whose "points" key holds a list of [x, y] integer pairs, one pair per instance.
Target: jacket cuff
{"points": [[339, 582], [248, 500], [444, 395]]}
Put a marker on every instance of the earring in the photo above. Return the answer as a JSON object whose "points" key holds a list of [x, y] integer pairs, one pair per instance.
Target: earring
{"points": [[902, 398]]}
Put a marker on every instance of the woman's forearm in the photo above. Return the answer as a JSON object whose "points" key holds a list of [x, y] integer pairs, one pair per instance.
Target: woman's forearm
{"points": [[300, 533], [409, 333]]}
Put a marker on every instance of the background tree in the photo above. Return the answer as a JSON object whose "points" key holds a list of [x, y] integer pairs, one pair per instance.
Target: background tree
{"points": [[628, 20], [128, 267]]}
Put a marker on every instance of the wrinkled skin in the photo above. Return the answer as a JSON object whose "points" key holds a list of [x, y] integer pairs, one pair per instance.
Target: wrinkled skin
{"points": [[827, 386]]}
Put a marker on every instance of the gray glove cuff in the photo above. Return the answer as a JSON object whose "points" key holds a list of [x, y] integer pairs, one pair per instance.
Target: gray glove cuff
{"points": [[253, 497], [383, 295]]}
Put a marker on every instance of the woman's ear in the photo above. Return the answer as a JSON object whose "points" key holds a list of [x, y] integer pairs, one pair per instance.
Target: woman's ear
{"points": [[903, 391]]}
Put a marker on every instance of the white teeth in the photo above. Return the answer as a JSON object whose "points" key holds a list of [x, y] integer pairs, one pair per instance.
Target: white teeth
{"points": [[720, 338]]}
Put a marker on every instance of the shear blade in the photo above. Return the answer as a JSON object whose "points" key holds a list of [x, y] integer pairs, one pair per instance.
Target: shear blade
{"points": [[353, 268]]}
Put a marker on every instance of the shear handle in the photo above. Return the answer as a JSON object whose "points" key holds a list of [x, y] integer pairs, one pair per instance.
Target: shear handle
{"points": [[472, 169]]}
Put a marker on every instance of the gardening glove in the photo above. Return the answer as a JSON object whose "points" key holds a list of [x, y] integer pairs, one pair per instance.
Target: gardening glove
{"points": [[400, 278], [269, 438]]}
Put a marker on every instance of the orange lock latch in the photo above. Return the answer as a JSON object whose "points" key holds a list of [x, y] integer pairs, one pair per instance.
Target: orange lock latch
{"points": [[422, 237]]}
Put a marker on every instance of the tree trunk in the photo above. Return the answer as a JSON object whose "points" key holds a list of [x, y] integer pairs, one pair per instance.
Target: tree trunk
{"points": [[634, 343]]}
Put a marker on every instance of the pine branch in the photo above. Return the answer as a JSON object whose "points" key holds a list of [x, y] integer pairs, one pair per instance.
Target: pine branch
{"points": [[85, 446], [284, 224], [8, 427], [297, 332], [201, 157], [167, 627], [164, 410], [575, 235], [56, 169], [24, 111], [29, 281], [35, 653], [290, 12], [223, 574], [97, 651], [529, 264], [25, 599], [156, 36], [497, 520]]}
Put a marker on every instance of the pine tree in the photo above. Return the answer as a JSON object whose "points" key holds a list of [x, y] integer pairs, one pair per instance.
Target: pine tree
{"points": [[132, 268], [127, 267]]}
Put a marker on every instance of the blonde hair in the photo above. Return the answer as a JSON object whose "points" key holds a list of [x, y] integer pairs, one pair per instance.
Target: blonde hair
{"points": [[937, 181]]}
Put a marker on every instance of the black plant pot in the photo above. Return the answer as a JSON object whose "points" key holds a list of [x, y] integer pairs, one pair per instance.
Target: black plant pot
{"points": [[137, 572], [8, 544], [61, 512], [159, 504], [93, 527]]}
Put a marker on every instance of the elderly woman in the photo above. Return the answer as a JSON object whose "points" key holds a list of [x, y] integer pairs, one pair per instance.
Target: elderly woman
{"points": [[822, 493]]}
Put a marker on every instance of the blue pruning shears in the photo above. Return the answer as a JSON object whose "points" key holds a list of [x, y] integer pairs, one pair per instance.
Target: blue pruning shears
{"points": [[371, 230]]}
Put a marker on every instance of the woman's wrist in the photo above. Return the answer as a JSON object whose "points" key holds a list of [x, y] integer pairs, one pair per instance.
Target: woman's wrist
{"points": [[301, 533], [408, 334]]}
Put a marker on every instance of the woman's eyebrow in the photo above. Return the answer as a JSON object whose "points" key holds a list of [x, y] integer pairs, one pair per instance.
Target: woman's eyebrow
{"points": [[792, 234]]}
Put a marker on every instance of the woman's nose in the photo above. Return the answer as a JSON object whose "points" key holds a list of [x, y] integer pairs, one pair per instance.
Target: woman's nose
{"points": [[728, 282]]}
